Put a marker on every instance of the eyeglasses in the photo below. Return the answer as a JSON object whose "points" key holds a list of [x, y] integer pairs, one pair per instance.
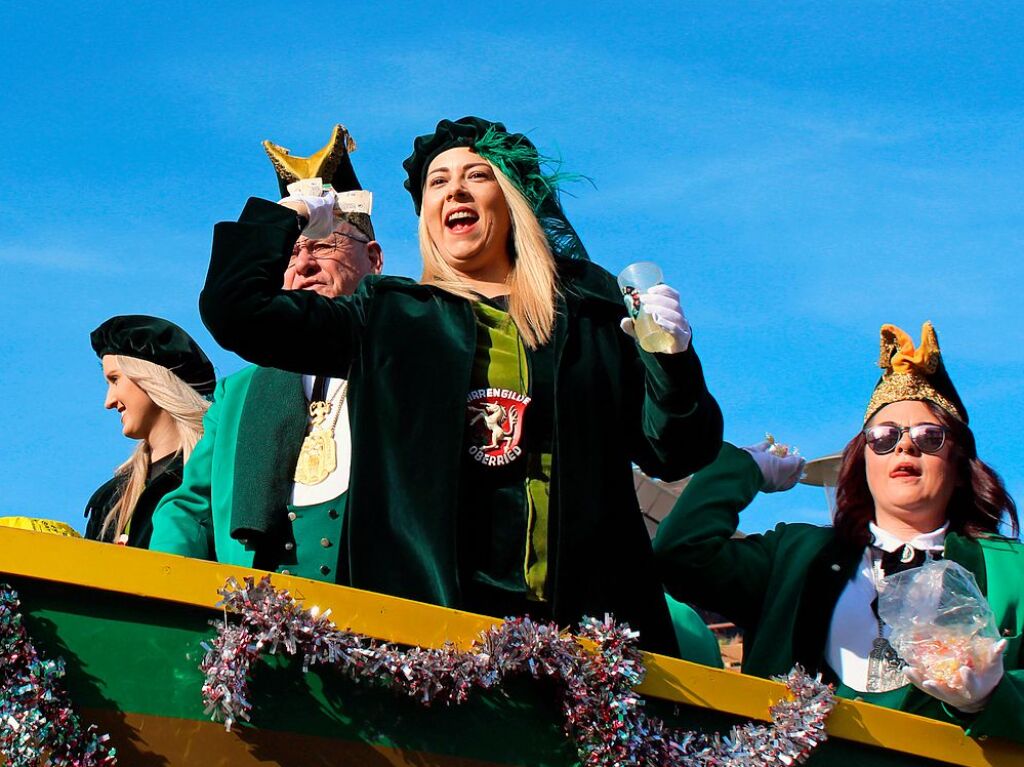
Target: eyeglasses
{"points": [[326, 244], [928, 437]]}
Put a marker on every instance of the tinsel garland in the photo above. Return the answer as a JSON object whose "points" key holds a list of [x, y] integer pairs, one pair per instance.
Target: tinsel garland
{"points": [[38, 727], [603, 714]]}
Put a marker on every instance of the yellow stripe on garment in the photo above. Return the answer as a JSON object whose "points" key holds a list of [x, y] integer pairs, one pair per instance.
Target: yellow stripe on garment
{"points": [[535, 566], [507, 367]]}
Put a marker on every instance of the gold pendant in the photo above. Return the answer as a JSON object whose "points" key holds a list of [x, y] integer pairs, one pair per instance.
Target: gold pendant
{"points": [[318, 456]]}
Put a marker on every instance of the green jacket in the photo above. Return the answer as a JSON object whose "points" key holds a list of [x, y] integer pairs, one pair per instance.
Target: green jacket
{"points": [[407, 350], [236, 462], [782, 587], [696, 641]]}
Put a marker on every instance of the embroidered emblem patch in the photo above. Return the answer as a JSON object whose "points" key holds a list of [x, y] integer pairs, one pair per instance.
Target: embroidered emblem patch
{"points": [[494, 419]]}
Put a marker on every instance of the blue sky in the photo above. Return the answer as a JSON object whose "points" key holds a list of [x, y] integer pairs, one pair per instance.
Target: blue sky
{"points": [[803, 172]]}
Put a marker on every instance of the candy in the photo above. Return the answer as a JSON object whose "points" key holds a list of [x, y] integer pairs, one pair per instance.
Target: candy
{"points": [[778, 449], [940, 621], [941, 655]]}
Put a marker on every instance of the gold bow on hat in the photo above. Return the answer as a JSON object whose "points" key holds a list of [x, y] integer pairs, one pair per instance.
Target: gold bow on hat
{"points": [[900, 356], [908, 371]]}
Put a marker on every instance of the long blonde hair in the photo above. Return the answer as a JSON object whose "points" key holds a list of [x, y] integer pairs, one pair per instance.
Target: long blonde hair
{"points": [[532, 280], [182, 403]]}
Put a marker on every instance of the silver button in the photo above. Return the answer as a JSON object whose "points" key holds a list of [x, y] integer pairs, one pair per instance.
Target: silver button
{"points": [[325, 543], [836, 568], [286, 572], [289, 546], [292, 516]]}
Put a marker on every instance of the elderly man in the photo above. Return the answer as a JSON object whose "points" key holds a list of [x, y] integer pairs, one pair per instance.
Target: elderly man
{"points": [[266, 485]]}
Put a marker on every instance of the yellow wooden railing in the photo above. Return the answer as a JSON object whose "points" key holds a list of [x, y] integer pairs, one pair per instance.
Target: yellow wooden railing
{"points": [[194, 582]]}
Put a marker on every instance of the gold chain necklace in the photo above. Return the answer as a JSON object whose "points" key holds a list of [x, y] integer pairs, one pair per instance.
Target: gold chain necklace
{"points": [[319, 456]]}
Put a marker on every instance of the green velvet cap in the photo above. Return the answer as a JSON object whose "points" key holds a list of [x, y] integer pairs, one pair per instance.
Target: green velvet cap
{"points": [[466, 132], [158, 341], [515, 156]]}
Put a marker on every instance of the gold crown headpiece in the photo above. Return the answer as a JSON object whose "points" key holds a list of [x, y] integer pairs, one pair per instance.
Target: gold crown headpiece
{"points": [[332, 165], [913, 373]]}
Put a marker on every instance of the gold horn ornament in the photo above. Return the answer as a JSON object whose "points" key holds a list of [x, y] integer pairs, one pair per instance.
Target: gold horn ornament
{"points": [[906, 370], [321, 164]]}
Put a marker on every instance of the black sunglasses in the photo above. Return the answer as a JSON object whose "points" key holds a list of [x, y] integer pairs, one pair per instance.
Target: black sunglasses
{"points": [[928, 437]]}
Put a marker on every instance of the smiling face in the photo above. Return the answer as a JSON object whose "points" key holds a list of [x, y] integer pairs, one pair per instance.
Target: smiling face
{"points": [[139, 414], [334, 265], [466, 215], [911, 489]]}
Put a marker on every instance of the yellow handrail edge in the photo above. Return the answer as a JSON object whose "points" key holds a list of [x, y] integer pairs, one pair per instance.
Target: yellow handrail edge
{"points": [[193, 582]]}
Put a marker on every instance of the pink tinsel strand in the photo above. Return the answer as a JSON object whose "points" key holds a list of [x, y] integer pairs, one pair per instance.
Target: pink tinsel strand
{"points": [[37, 723], [603, 714]]}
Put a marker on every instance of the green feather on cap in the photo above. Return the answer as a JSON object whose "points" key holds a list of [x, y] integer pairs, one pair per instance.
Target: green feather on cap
{"points": [[518, 160]]}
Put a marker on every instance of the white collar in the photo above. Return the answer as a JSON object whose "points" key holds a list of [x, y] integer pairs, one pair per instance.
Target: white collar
{"points": [[886, 541]]}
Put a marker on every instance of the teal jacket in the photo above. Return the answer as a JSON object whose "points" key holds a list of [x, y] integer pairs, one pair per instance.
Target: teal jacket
{"points": [[238, 462], [782, 587], [407, 350]]}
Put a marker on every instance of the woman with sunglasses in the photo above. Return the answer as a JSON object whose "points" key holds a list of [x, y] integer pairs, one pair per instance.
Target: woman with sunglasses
{"points": [[497, 403], [911, 485]]}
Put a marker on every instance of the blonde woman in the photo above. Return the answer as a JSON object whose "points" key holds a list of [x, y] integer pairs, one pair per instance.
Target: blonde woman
{"points": [[157, 380], [496, 405]]}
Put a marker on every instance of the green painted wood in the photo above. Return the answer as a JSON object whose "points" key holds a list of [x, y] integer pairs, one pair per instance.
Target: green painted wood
{"points": [[141, 656]]}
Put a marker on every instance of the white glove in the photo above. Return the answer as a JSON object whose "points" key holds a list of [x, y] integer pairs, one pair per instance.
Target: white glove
{"points": [[321, 214], [977, 683], [779, 472], [662, 303]]}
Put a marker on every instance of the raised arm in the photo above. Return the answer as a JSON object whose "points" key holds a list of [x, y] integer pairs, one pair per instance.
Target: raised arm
{"points": [[247, 312], [681, 424], [699, 559]]}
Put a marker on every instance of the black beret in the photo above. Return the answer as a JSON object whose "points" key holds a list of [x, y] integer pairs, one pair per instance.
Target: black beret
{"points": [[466, 132], [158, 341]]}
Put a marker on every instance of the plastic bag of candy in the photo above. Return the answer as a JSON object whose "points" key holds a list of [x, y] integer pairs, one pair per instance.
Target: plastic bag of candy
{"points": [[940, 620]]}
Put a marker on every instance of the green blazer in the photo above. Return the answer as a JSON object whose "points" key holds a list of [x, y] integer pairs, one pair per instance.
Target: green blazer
{"points": [[245, 460], [407, 350], [782, 587]]}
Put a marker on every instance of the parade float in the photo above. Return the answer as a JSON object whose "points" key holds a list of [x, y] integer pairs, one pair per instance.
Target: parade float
{"points": [[113, 655]]}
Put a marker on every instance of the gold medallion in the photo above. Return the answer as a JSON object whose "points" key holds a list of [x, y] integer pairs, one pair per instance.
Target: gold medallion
{"points": [[318, 456]]}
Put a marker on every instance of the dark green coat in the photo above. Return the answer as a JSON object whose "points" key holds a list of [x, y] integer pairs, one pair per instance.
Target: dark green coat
{"points": [[782, 587], [141, 527], [407, 350]]}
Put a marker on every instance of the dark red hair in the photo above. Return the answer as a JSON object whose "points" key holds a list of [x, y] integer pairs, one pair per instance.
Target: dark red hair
{"points": [[978, 505]]}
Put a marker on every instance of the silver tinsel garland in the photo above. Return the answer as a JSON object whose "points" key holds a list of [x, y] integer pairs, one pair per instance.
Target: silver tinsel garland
{"points": [[603, 714], [38, 727]]}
